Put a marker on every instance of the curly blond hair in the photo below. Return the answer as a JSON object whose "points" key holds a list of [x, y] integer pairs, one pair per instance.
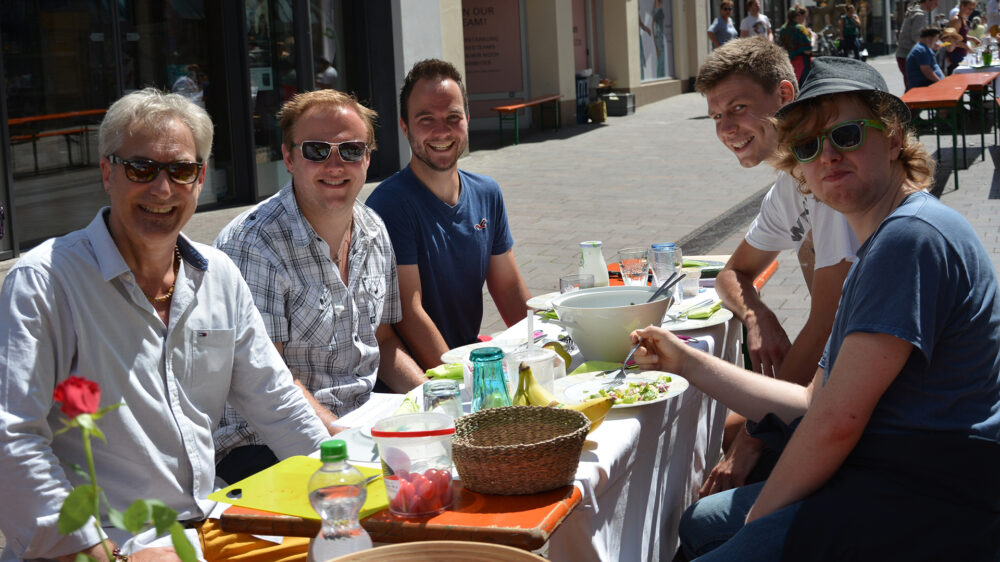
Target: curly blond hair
{"points": [[809, 117]]}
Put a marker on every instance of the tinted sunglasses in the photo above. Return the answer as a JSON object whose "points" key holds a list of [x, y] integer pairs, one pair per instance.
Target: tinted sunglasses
{"points": [[141, 170], [319, 151], [845, 137]]}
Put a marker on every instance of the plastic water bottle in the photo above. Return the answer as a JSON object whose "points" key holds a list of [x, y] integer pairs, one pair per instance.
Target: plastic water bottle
{"points": [[337, 492], [592, 262]]}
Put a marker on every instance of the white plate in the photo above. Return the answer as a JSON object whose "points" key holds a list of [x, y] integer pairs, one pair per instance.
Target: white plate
{"points": [[461, 354], [359, 447], [721, 316], [577, 388], [542, 302]]}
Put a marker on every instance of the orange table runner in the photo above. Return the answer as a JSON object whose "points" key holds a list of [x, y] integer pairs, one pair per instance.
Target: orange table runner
{"points": [[524, 522]]}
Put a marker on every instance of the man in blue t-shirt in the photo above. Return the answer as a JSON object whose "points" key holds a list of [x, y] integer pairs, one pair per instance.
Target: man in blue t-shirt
{"points": [[921, 65], [448, 227]]}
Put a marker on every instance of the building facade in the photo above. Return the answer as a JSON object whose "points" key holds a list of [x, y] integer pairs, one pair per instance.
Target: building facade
{"points": [[65, 61]]}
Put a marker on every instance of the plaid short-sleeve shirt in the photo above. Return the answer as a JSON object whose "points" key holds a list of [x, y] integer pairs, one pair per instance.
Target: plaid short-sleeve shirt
{"points": [[326, 328]]}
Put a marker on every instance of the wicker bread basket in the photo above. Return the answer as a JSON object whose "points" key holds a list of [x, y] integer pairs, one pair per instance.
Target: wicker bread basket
{"points": [[518, 449]]}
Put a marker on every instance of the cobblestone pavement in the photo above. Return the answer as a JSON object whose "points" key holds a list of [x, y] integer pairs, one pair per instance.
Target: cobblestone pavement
{"points": [[657, 175]]}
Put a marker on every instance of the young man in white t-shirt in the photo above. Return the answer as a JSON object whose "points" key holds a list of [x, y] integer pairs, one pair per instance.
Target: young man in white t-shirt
{"points": [[745, 82], [756, 23]]}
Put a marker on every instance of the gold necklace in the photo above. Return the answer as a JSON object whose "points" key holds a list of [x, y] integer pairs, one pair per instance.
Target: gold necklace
{"points": [[170, 291]]}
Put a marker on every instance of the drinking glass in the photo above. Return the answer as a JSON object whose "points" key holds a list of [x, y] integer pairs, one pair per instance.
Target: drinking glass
{"points": [[690, 285], [443, 395], [575, 282], [634, 264]]}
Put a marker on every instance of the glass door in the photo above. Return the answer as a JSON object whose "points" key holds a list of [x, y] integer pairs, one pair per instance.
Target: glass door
{"points": [[273, 81], [65, 62], [60, 76]]}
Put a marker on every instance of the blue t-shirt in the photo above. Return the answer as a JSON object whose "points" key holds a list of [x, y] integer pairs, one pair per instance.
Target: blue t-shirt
{"points": [[451, 246], [723, 29], [920, 55], [924, 277]]}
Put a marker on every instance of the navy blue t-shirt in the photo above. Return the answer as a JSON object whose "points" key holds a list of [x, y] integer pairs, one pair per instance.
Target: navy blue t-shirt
{"points": [[451, 246], [921, 55], [924, 277]]}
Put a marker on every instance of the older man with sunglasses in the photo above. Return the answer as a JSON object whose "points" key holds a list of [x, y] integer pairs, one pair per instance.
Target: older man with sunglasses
{"points": [[166, 327], [322, 272]]}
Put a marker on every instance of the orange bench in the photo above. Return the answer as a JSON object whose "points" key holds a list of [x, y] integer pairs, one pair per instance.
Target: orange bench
{"points": [[81, 133], [509, 112]]}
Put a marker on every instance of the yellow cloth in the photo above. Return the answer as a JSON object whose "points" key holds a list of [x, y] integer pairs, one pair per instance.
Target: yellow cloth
{"points": [[217, 544]]}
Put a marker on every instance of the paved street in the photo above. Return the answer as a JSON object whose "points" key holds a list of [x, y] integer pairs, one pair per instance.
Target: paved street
{"points": [[658, 175]]}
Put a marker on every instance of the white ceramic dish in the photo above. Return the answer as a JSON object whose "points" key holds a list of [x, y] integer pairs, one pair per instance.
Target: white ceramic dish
{"points": [[720, 316], [461, 354], [360, 448], [601, 319], [577, 388], [542, 302]]}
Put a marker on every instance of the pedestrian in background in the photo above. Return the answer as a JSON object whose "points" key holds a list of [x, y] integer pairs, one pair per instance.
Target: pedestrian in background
{"points": [[909, 33], [722, 29], [797, 40]]}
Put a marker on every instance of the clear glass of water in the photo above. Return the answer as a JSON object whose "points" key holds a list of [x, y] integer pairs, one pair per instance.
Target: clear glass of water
{"points": [[443, 395], [575, 282], [634, 264]]}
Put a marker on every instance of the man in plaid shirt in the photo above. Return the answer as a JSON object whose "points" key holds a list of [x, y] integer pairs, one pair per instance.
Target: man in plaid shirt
{"points": [[322, 272]]}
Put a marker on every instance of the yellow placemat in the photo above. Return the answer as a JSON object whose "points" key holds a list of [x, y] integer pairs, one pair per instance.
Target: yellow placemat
{"points": [[282, 489]]}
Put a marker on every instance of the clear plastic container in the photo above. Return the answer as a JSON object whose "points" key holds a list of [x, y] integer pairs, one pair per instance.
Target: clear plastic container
{"points": [[416, 462], [337, 492]]}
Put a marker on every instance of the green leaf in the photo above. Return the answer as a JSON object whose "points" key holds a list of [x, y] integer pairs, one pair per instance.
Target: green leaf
{"points": [[181, 543], [79, 470], [163, 516], [117, 518], [77, 508], [136, 516]]}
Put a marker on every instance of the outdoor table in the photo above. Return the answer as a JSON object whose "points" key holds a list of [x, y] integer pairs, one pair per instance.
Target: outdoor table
{"points": [[941, 95], [979, 80]]}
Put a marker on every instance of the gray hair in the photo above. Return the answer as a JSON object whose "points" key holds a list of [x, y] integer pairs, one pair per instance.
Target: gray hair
{"points": [[150, 109]]}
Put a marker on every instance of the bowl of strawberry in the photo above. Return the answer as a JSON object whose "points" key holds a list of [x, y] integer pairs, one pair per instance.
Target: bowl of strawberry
{"points": [[415, 450]]}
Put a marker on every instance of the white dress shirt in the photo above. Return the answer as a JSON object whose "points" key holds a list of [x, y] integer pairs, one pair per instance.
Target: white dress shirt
{"points": [[72, 306]]}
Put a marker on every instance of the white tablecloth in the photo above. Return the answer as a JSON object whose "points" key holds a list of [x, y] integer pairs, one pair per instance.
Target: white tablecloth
{"points": [[639, 470]]}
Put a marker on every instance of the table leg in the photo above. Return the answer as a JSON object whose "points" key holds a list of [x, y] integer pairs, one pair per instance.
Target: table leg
{"points": [[981, 98], [517, 129], [954, 142], [500, 118], [961, 119]]}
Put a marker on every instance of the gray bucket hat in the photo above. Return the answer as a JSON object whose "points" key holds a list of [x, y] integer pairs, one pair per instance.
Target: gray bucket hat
{"points": [[837, 75]]}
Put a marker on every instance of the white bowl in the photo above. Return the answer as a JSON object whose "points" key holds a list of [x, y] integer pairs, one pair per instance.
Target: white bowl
{"points": [[601, 319]]}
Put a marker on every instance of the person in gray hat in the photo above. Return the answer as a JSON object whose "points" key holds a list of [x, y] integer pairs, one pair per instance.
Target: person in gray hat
{"points": [[896, 442]]}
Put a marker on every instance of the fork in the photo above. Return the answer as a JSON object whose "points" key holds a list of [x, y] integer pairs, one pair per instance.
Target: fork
{"points": [[620, 376]]}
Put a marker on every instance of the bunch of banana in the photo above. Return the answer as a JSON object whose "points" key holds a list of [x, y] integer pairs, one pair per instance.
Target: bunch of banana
{"points": [[531, 393]]}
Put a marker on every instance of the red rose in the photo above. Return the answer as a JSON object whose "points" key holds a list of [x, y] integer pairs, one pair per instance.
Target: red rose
{"points": [[78, 396]]}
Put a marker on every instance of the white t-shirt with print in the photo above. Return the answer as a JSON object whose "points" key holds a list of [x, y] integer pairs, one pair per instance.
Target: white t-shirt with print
{"points": [[786, 217], [759, 25]]}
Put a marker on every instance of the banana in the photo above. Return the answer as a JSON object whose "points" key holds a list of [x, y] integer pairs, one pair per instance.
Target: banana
{"points": [[595, 409], [530, 393]]}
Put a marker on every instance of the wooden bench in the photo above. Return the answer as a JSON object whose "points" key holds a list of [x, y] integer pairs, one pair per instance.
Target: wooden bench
{"points": [[509, 112], [34, 123], [941, 95]]}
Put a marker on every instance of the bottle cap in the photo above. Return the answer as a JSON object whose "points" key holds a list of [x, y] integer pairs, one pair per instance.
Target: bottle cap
{"points": [[486, 354], [332, 450], [591, 244]]}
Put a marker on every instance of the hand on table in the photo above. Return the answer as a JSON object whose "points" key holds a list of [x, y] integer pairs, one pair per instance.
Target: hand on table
{"points": [[735, 466], [767, 343]]}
